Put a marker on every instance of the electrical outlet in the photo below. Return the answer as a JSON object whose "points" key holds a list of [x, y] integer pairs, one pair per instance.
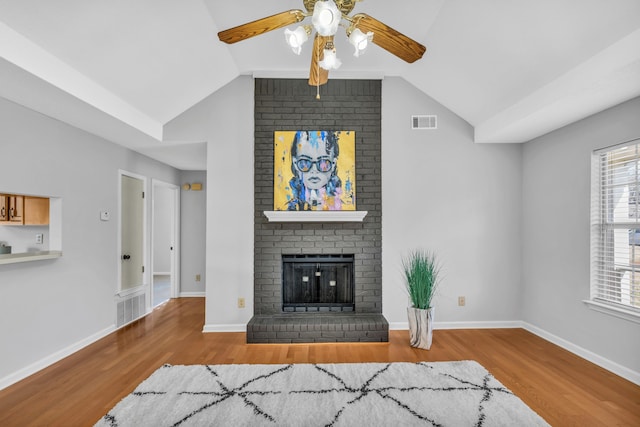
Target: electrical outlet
{"points": [[240, 302], [39, 238], [461, 301], [198, 277]]}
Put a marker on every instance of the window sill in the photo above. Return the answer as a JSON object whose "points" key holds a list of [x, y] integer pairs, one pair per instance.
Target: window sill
{"points": [[612, 310]]}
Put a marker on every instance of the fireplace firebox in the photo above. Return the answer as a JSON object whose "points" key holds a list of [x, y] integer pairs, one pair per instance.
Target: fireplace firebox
{"points": [[317, 283]]}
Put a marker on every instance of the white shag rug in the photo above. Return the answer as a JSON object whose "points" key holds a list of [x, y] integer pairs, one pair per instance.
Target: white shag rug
{"points": [[349, 394]]}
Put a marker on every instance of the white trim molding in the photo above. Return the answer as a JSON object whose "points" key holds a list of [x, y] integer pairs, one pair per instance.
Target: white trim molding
{"points": [[225, 328], [607, 364], [132, 291], [192, 294], [53, 358], [498, 324], [29, 256], [604, 363], [611, 310], [507, 324], [315, 216]]}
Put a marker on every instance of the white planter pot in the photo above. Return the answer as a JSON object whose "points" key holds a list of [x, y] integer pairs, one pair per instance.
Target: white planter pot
{"points": [[420, 327]]}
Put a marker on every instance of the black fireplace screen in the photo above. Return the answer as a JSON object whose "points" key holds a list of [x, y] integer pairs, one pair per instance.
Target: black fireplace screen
{"points": [[317, 283]]}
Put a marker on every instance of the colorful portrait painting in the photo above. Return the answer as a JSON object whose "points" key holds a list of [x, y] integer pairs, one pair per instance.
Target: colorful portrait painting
{"points": [[314, 171]]}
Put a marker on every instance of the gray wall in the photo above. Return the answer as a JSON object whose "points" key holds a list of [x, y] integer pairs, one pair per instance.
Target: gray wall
{"points": [[49, 308], [193, 227], [225, 121], [443, 192], [348, 105], [556, 201]]}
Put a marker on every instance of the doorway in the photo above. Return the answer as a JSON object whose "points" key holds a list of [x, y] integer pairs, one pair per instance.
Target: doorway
{"points": [[165, 236], [131, 232]]}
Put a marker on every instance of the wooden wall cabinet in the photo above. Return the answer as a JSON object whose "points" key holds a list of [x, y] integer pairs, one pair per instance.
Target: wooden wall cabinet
{"points": [[11, 209], [36, 210], [23, 210], [4, 208]]}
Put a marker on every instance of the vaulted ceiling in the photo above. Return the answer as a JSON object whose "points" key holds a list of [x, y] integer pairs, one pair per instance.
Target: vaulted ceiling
{"points": [[122, 69]]}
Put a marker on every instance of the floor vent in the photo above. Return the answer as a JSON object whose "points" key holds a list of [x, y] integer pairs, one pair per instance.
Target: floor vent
{"points": [[130, 309], [424, 122]]}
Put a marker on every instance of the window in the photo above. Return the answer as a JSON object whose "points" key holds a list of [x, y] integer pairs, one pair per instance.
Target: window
{"points": [[615, 229]]}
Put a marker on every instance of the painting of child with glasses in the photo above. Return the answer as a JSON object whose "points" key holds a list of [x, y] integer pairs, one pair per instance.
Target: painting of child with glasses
{"points": [[314, 170]]}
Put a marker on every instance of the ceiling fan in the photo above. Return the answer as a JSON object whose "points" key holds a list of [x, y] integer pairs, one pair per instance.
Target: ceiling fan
{"points": [[326, 16]]}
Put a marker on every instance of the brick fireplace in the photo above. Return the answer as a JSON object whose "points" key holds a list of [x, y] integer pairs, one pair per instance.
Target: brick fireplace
{"points": [[288, 104]]}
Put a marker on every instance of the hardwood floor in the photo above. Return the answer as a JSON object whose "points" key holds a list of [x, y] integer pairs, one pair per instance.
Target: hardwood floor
{"points": [[563, 388]]}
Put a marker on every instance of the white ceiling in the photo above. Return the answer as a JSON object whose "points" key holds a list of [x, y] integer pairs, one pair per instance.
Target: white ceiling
{"points": [[122, 69]]}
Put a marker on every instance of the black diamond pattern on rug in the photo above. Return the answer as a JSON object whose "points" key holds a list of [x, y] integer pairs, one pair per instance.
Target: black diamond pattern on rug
{"points": [[436, 394]]}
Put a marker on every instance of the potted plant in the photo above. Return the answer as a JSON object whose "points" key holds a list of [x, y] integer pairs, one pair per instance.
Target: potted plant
{"points": [[421, 271]]}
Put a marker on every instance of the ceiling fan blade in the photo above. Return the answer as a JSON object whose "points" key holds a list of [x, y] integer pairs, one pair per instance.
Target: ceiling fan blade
{"points": [[318, 75], [389, 39], [261, 26]]}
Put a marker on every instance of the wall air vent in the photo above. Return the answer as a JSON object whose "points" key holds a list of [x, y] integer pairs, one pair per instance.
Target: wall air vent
{"points": [[129, 309], [424, 122]]}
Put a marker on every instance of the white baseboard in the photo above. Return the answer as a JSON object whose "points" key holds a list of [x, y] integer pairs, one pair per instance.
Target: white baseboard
{"points": [[225, 328], [507, 324], [192, 295], [398, 326], [55, 357], [605, 363], [499, 324]]}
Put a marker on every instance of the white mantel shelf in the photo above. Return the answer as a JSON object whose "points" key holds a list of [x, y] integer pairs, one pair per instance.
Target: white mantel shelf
{"points": [[29, 256], [315, 216]]}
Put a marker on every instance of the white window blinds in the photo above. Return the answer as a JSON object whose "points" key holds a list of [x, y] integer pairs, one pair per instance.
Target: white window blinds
{"points": [[615, 227]]}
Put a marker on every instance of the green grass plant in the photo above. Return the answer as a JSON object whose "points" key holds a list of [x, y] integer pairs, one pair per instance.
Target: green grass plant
{"points": [[421, 270]]}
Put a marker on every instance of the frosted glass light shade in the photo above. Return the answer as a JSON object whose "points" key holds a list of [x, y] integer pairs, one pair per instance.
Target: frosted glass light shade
{"points": [[330, 61], [360, 41], [326, 18], [296, 38]]}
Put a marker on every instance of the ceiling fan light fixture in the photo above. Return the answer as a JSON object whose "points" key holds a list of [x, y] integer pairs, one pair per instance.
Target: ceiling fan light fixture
{"points": [[326, 18], [296, 38], [360, 41]]}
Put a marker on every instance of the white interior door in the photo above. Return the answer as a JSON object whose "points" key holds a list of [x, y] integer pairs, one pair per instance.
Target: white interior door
{"points": [[132, 232]]}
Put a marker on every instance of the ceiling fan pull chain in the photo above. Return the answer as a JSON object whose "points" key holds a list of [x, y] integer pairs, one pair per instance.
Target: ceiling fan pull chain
{"points": [[318, 80]]}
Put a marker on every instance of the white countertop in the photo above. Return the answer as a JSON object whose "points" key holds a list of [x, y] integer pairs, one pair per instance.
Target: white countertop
{"points": [[29, 256]]}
